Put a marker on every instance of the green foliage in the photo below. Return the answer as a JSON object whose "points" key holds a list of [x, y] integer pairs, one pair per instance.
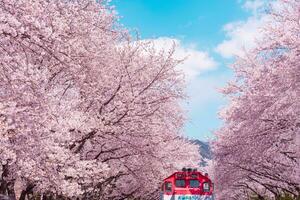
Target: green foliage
{"points": [[281, 197], [258, 198], [287, 197]]}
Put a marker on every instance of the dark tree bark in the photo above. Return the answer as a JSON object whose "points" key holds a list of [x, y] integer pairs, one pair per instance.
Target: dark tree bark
{"points": [[27, 191], [3, 183]]}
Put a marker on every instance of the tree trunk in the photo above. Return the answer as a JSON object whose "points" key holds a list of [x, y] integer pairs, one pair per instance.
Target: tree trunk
{"points": [[10, 190], [27, 191]]}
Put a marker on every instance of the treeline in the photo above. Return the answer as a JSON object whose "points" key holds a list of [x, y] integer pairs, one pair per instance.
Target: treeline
{"points": [[86, 112], [257, 151], [281, 197]]}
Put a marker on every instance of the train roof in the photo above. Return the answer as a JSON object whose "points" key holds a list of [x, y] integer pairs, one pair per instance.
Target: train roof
{"points": [[188, 173]]}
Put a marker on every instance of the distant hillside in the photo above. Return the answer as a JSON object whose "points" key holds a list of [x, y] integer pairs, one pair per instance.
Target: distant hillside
{"points": [[205, 151]]}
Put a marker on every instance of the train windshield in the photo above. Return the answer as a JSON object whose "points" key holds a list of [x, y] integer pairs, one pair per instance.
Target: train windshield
{"points": [[194, 184], [180, 183]]}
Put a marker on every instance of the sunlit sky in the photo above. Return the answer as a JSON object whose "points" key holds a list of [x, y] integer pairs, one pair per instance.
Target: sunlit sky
{"points": [[210, 33]]}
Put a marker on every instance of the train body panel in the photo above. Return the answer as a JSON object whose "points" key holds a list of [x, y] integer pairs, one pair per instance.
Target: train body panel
{"points": [[187, 184], [188, 197]]}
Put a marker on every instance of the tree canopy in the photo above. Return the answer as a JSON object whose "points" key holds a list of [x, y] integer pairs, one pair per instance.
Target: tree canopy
{"points": [[85, 111], [257, 151]]}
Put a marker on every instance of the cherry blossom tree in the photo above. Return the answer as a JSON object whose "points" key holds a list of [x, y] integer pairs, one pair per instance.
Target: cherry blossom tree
{"points": [[85, 111], [257, 150]]}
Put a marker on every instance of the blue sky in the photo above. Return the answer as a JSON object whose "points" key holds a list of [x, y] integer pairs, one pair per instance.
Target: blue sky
{"points": [[211, 31]]}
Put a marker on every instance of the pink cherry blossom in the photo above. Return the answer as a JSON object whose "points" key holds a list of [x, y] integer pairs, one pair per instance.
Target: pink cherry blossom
{"points": [[85, 111], [257, 150]]}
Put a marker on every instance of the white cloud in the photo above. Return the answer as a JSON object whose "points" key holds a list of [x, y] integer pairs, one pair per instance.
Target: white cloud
{"points": [[242, 35], [204, 91], [203, 104], [254, 5], [195, 61]]}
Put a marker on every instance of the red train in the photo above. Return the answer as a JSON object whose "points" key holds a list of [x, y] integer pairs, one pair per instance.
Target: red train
{"points": [[188, 184]]}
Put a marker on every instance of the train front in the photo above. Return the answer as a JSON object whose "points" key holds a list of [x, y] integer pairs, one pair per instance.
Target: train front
{"points": [[188, 184]]}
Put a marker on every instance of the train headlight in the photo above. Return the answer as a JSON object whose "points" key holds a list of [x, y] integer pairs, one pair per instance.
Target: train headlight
{"points": [[206, 187]]}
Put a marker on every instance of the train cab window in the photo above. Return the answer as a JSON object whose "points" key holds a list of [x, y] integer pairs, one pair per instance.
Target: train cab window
{"points": [[168, 187], [180, 183], [194, 184]]}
